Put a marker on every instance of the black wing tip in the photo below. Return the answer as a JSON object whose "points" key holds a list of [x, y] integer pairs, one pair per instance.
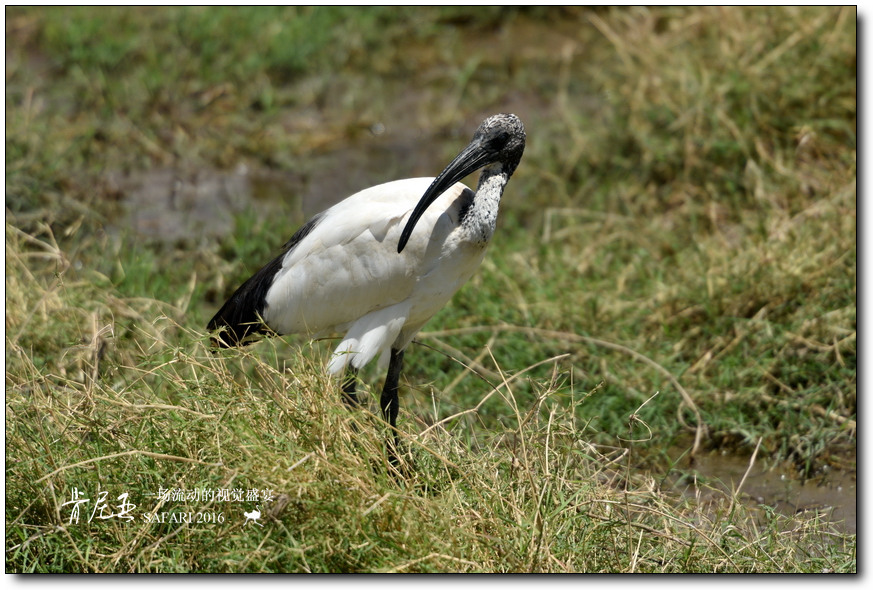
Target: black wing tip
{"points": [[240, 318]]}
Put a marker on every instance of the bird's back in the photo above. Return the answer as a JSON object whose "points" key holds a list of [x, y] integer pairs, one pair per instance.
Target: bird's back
{"points": [[348, 265], [344, 265]]}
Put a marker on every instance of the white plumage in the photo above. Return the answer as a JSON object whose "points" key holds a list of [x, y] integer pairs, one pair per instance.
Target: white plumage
{"points": [[380, 298], [378, 265]]}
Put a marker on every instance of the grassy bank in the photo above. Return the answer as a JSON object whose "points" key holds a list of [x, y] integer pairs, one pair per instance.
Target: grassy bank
{"points": [[682, 226]]}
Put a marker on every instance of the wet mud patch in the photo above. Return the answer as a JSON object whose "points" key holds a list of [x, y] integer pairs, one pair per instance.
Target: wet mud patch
{"points": [[170, 205], [831, 494]]}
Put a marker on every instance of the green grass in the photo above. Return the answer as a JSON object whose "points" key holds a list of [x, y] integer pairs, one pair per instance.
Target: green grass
{"points": [[682, 225]]}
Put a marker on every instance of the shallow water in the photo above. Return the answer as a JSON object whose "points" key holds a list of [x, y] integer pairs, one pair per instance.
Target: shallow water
{"points": [[832, 494]]}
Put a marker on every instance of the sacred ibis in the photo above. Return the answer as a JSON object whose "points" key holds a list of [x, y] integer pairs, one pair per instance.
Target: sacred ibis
{"points": [[378, 265]]}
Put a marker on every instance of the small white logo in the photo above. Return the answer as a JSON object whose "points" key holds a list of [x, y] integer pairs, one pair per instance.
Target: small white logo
{"points": [[253, 516]]}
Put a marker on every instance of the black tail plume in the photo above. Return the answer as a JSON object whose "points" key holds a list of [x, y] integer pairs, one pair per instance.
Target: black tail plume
{"points": [[241, 315]]}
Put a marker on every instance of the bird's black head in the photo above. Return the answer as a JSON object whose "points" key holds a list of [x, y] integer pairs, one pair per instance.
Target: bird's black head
{"points": [[497, 143], [501, 138]]}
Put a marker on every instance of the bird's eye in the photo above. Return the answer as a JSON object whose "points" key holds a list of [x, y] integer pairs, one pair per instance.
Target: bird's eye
{"points": [[498, 141]]}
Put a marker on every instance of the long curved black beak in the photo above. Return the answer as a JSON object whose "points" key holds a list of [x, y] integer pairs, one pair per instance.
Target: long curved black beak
{"points": [[473, 157]]}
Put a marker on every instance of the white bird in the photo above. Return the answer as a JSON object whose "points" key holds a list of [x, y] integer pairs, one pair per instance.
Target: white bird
{"points": [[378, 265]]}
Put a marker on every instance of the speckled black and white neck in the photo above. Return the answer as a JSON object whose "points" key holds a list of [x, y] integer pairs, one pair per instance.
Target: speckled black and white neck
{"points": [[480, 218]]}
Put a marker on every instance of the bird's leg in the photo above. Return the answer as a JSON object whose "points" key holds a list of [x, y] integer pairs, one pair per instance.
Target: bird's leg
{"points": [[349, 386], [390, 401]]}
